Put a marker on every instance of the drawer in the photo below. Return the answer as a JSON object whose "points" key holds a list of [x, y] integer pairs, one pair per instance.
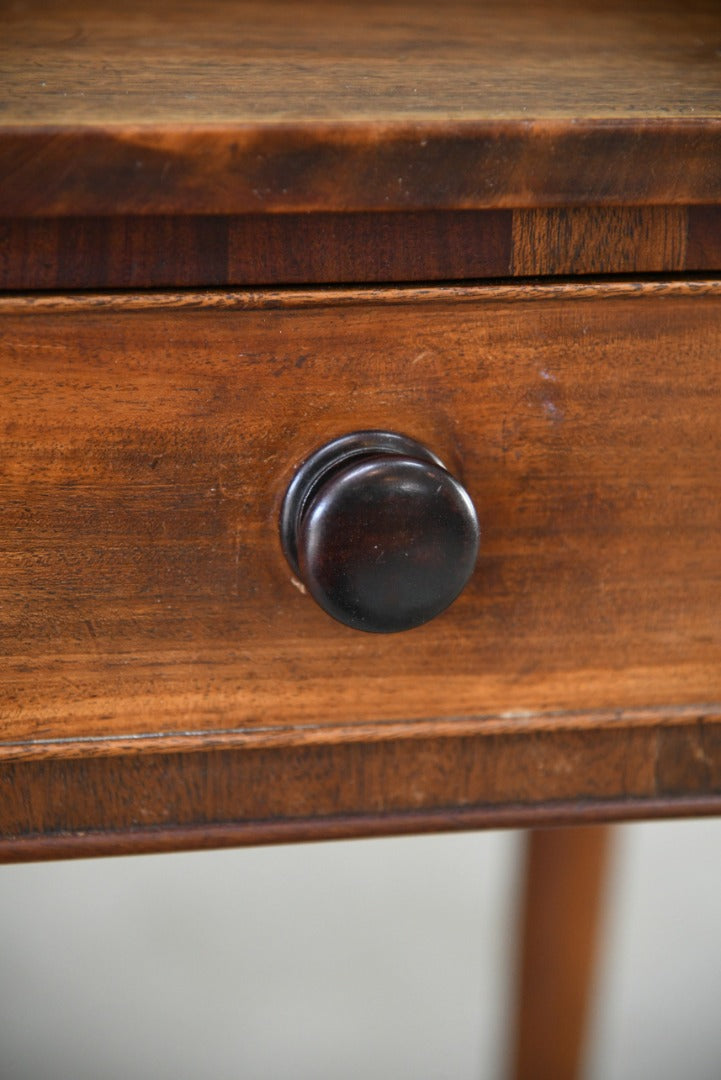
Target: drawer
{"points": [[161, 665]]}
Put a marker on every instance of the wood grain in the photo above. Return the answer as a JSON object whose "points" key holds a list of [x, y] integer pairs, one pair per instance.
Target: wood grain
{"points": [[217, 108], [562, 903], [330, 248], [591, 240], [79, 62], [703, 242], [285, 249], [465, 165]]}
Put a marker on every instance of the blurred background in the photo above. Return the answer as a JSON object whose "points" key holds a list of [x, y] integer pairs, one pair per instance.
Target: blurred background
{"points": [[368, 959]]}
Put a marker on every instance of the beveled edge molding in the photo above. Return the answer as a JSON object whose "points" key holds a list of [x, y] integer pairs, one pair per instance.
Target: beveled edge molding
{"points": [[517, 723], [157, 841], [412, 781], [272, 166], [342, 296]]}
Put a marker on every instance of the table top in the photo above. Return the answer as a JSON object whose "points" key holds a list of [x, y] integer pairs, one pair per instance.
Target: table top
{"points": [[250, 107]]}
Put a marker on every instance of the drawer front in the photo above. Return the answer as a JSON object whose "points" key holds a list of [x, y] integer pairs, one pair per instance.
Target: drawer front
{"points": [[145, 603]]}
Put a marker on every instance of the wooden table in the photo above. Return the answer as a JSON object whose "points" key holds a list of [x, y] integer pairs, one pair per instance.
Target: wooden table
{"points": [[233, 231]]}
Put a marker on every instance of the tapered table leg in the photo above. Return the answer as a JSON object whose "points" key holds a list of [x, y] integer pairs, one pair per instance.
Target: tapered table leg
{"points": [[564, 878]]}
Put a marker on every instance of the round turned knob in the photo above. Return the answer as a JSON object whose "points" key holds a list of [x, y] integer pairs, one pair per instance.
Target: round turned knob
{"points": [[379, 532]]}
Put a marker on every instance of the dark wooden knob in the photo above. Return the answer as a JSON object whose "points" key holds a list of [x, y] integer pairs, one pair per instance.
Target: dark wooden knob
{"points": [[379, 532]]}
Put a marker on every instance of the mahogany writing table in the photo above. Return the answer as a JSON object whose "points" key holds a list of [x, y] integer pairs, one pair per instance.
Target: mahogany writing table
{"points": [[233, 231]]}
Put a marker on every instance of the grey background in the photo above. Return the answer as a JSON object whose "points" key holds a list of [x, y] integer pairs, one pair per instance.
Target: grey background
{"points": [[370, 959]]}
